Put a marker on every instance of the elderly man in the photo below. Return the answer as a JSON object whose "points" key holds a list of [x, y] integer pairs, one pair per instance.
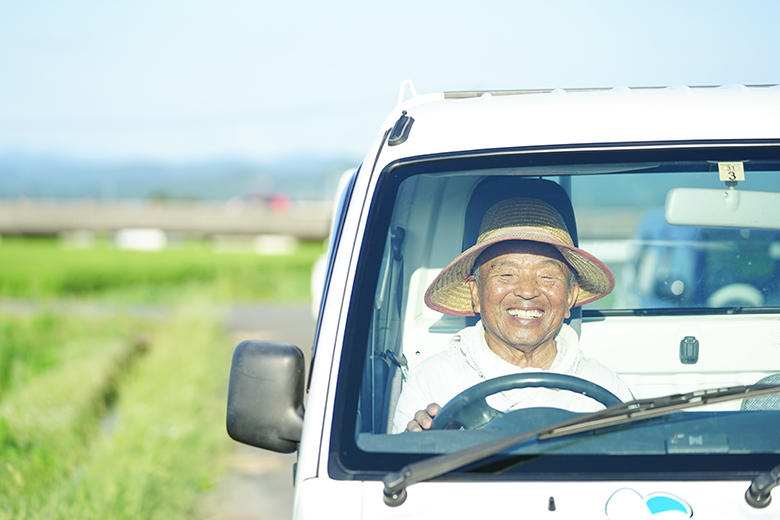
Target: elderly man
{"points": [[522, 278]]}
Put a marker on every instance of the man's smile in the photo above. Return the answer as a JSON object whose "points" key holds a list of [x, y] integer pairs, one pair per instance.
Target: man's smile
{"points": [[525, 313]]}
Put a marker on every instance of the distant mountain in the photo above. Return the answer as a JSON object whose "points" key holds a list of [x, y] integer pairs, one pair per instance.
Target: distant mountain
{"points": [[36, 176]]}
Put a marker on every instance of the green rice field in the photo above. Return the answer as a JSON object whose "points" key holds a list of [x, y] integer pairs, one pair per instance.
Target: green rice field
{"points": [[45, 268], [111, 415]]}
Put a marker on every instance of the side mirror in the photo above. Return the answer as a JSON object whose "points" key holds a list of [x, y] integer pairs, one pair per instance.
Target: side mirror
{"points": [[265, 396]]}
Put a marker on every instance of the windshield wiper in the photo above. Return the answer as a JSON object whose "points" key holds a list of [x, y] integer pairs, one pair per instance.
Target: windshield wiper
{"points": [[758, 494], [624, 413]]}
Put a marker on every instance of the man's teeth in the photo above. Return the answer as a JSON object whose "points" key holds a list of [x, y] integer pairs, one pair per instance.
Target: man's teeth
{"points": [[520, 313]]}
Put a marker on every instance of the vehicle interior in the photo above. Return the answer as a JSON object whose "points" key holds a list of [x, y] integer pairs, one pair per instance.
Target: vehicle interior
{"points": [[695, 307]]}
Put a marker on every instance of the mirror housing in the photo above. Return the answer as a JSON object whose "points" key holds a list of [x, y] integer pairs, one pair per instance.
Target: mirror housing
{"points": [[727, 208], [265, 396]]}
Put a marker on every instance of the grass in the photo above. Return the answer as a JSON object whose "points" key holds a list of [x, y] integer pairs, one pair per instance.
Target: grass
{"points": [[49, 416], [120, 428], [113, 416], [43, 268], [29, 346]]}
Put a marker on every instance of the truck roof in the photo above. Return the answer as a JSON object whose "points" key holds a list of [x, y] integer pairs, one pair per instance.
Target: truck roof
{"points": [[474, 120]]}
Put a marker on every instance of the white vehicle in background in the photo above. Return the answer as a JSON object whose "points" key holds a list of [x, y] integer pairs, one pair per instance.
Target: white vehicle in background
{"points": [[677, 189]]}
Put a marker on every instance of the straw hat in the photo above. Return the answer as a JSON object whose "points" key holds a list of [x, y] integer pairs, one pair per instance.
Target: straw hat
{"points": [[518, 219]]}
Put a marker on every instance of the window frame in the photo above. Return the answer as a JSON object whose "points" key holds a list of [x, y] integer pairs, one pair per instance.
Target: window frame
{"points": [[348, 462]]}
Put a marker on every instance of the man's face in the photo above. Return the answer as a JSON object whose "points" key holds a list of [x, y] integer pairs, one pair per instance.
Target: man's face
{"points": [[522, 297]]}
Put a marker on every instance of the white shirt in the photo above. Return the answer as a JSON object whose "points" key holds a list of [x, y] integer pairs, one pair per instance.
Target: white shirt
{"points": [[468, 360]]}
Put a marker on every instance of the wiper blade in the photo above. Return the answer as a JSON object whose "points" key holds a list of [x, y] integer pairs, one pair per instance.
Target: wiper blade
{"points": [[658, 406], [624, 413]]}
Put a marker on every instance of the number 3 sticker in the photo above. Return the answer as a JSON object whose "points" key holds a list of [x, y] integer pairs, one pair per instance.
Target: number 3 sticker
{"points": [[731, 171]]}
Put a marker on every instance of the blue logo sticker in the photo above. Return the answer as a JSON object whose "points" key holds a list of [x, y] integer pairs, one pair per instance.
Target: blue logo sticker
{"points": [[628, 504]]}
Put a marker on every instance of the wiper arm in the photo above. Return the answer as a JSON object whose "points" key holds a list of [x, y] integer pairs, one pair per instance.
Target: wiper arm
{"points": [[758, 494], [397, 481]]}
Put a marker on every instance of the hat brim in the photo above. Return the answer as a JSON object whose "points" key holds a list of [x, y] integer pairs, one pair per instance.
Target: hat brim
{"points": [[449, 292]]}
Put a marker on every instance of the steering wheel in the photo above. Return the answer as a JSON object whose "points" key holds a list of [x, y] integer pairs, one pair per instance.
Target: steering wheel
{"points": [[469, 409]]}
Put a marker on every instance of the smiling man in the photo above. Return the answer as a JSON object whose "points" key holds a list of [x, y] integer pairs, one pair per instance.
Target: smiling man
{"points": [[522, 278]]}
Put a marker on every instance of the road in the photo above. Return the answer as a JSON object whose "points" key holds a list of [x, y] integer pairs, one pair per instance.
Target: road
{"points": [[259, 485]]}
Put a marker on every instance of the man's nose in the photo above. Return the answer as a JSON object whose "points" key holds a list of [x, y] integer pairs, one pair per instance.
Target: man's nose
{"points": [[527, 287]]}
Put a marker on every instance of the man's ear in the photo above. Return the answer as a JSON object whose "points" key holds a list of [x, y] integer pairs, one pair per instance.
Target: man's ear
{"points": [[474, 295], [573, 293]]}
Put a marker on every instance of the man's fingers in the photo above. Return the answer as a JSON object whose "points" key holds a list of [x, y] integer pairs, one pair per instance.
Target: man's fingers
{"points": [[413, 426], [423, 419]]}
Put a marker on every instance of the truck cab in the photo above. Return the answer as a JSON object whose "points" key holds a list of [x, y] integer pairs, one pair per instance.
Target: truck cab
{"points": [[675, 189]]}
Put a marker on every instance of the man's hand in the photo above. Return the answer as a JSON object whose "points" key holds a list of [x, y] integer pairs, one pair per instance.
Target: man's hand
{"points": [[423, 419]]}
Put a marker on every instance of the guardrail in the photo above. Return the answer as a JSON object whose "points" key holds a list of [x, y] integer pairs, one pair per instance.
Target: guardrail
{"points": [[305, 220]]}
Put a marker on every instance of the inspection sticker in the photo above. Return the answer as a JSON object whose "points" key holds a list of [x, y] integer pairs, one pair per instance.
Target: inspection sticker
{"points": [[731, 171]]}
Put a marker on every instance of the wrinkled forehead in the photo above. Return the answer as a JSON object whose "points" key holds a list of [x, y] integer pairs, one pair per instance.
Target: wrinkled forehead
{"points": [[525, 247]]}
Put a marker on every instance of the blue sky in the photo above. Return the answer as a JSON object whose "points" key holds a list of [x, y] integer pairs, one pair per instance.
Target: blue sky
{"points": [[178, 80]]}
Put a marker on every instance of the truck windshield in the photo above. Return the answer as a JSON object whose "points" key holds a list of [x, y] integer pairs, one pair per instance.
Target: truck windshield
{"points": [[694, 308]]}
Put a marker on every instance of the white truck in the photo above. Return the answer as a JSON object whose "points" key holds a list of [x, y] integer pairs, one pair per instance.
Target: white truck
{"points": [[676, 189]]}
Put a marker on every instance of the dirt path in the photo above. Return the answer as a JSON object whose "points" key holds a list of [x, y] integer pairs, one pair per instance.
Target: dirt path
{"points": [[259, 485]]}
